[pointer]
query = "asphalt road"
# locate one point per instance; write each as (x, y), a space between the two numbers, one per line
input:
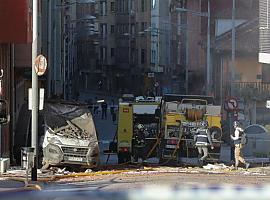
(130, 181)
(153, 187)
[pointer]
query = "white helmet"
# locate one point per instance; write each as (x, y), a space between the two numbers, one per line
(236, 123)
(140, 126)
(204, 123)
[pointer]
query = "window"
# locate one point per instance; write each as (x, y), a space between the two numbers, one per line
(112, 29)
(143, 26)
(120, 4)
(103, 53)
(112, 7)
(142, 56)
(132, 5)
(126, 28)
(143, 6)
(153, 3)
(112, 52)
(103, 8)
(132, 29)
(126, 7)
(103, 30)
(153, 56)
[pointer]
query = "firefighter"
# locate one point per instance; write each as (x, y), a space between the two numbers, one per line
(202, 140)
(139, 142)
(237, 145)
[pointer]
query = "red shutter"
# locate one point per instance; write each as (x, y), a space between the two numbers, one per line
(15, 21)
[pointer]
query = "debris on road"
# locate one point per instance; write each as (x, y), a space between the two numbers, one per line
(62, 175)
(216, 166)
(88, 171)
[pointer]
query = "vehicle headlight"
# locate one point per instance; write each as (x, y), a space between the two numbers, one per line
(54, 140)
(53, 153)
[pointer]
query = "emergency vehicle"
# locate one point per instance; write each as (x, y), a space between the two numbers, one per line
(165, 127)
(181, 117)
(138, 128)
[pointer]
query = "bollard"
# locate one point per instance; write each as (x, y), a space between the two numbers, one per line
(27, 159)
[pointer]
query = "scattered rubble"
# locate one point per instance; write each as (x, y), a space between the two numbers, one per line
(88, 171)
(57, 174)
(216, 166)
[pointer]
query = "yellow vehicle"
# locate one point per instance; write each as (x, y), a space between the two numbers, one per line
(181, 116)
(169, 125)
(138, 127)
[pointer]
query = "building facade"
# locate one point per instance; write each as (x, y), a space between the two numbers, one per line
(136, 43)
(14, 40)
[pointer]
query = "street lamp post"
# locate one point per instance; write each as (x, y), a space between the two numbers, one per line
(187, 63)
(34, 126)
(209, 70)
(233, 47)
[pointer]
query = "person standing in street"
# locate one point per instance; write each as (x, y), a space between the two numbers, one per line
(139, 143)
(95, 106)
(113, 115)
(236, 137)
(100, 85)
(104, 107)
(202, 140)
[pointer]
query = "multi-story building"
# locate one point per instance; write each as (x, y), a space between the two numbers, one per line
(85, 41)
(135, 46)
(118, 38)
(53, 42)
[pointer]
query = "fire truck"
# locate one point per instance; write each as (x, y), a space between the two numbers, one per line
(180, 118)
(131, 141)
(169, 124)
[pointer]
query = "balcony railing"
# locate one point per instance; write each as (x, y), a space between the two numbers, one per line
(256, 90)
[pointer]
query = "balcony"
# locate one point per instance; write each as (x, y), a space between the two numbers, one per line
(252, 90)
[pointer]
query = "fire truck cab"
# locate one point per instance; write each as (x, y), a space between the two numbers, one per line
(138, 127)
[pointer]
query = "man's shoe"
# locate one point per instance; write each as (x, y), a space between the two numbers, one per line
(247, 165)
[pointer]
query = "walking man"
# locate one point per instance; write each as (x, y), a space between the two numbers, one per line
(113, 115)
(95, 106)
(202, 140)
(104, 107)
(237, 145)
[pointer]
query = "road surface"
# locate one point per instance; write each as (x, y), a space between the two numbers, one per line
(135, 181)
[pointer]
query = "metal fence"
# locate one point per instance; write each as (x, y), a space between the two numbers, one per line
(260, 89)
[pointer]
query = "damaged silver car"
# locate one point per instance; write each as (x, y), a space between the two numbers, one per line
(70, 136)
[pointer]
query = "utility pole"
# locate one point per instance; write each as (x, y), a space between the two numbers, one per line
(49, 42)
(187, 57)
(232, 92)
(233, 48)
(129, 35)
(34, 90)
(209, 71)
